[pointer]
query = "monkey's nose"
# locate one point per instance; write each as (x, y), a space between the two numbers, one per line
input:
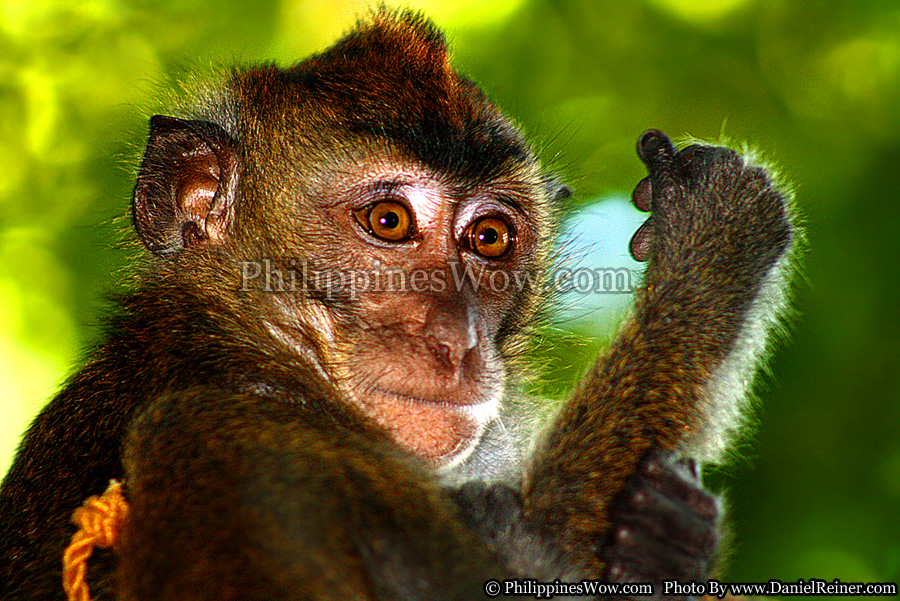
(452, 354)
(450, 334)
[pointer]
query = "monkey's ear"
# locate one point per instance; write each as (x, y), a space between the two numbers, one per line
(558, 191)
(185, 189)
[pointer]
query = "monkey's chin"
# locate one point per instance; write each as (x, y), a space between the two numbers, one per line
(440, 433)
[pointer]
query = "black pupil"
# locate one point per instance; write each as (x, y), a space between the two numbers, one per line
(389, 220)
(488, 236)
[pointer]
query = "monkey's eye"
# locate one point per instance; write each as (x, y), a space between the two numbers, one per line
(489, 237)
(387, 220)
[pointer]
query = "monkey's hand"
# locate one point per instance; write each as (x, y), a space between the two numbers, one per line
(711, 211)
(664, 526)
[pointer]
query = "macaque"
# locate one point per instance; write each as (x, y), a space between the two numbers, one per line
(307, 395)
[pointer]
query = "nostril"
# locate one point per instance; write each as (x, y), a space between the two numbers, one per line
(442, 352)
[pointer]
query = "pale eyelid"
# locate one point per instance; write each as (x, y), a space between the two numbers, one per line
(424, 197)
(478, 209)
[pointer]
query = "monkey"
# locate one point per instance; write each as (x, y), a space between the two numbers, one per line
(309, 395)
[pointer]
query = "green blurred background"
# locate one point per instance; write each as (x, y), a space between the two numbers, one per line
(814, 85)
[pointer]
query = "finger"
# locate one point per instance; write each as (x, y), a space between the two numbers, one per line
(648, 517)
(658, 153)
(655, 147)
(676, 482)
(642, 197)
(642, 242)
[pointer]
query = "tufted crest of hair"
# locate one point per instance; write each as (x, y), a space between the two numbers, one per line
(390, 78)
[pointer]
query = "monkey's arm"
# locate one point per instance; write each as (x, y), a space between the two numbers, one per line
(718, 241)
(233, 490)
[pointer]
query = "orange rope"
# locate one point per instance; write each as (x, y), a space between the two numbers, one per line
(99, 521)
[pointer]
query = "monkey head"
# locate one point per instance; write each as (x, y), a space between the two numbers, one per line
(376, 214)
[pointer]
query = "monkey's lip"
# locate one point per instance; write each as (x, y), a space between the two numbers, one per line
(455, 401)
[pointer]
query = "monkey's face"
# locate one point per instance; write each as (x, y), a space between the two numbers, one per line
(413, 281)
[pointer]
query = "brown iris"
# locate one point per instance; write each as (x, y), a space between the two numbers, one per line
(489, 237)
(387, 220)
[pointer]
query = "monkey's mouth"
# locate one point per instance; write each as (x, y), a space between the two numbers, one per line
(437, 431)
